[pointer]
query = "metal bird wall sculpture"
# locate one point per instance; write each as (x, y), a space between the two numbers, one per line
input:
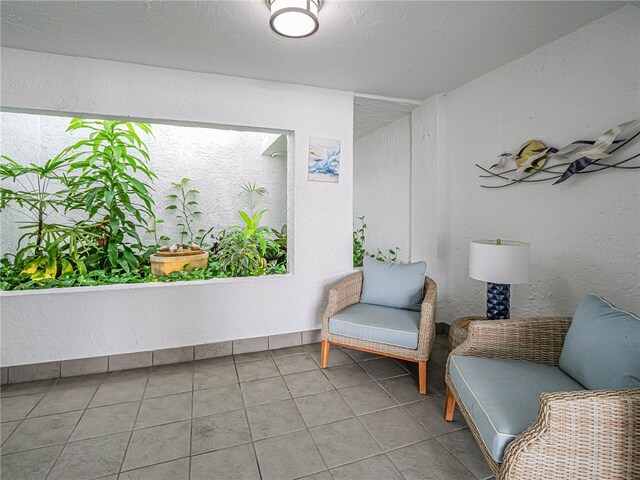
(581, 156)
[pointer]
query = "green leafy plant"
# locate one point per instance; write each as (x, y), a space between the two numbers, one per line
(358, 243)
(38, 191)
(240, 256)
(185, 205)
(63, 250)
(107, 176)
(251, 249)
(359, 251)
(12, 279)
(276, 253)
(152, 229)
(241, 249)
(390, 256)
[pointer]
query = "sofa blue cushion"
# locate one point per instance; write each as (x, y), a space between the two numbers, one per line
(503, 396)
(393, 326)
(602, 347)
(393, 284)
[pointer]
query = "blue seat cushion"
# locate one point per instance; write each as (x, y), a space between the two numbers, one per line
(503, 396)
(602, 347)
(393, 326)
(393, 284)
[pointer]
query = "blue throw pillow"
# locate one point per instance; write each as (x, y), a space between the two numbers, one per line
(393, 284)
(602, 347)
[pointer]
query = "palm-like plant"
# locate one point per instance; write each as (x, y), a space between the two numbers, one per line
(37, 191)
(46, 249)
(252, 196)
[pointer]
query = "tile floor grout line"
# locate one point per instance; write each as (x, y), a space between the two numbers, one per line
(387, 390)
(372, 436)
(455, 456)
(318, 449)
(255, 454)
(382, 453)
(253, 446)
(359, 460)
(385, 451)
(70, 434)
(251, 441)
(143, 467)
(23, 419)
(193, 395)
(26, 417)
(126, 450)
(424, 426)
(55, 462)
(33, 449)
(84, 411)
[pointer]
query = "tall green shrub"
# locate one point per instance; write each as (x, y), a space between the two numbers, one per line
(108, 178)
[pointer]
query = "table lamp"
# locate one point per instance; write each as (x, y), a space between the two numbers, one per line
(500, 263)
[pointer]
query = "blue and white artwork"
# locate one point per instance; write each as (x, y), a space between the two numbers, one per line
(324, 160)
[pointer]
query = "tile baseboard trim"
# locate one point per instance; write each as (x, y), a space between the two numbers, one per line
(166, 356)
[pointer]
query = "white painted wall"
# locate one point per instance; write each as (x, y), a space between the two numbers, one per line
(75, 323)
(428, 200)
(381, 176)
(584, 233)
(217, 161)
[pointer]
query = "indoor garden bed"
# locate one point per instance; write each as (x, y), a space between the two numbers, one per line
(89, 217)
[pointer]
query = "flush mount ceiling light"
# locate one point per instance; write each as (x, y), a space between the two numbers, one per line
(294, 18)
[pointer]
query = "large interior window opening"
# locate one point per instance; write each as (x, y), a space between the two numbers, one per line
(93, 202)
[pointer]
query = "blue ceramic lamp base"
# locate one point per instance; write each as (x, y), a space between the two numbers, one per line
(498, 301)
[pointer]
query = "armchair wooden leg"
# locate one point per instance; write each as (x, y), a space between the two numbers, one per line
(324, 355)
(422, 375)
(450, 406)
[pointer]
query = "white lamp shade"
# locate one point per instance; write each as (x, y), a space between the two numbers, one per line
(505, 262)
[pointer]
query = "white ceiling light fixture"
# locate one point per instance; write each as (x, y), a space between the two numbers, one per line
(294, 18)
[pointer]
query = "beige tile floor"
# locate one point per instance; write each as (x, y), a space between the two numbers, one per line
(270, 415)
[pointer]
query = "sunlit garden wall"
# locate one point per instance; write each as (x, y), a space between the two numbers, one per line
(217, 161)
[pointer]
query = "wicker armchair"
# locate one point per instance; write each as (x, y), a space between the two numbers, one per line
(592, 434)
(347, 293)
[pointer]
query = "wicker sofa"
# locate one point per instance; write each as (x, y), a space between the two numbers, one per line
(347, 293)
(580, 434)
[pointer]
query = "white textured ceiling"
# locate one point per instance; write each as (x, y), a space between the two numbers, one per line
(370, 114)
(392, 48)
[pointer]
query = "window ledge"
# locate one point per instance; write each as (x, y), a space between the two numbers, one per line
(128, 286)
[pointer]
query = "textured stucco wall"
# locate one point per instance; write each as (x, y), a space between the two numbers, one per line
(584, 233)
(382, 169)
(217, 161)
(76, 323)
(428, 202)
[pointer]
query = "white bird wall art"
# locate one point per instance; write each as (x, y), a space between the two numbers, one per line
(533, 158)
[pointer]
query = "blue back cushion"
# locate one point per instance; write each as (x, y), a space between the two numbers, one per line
(393, 284)
(602, 347)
